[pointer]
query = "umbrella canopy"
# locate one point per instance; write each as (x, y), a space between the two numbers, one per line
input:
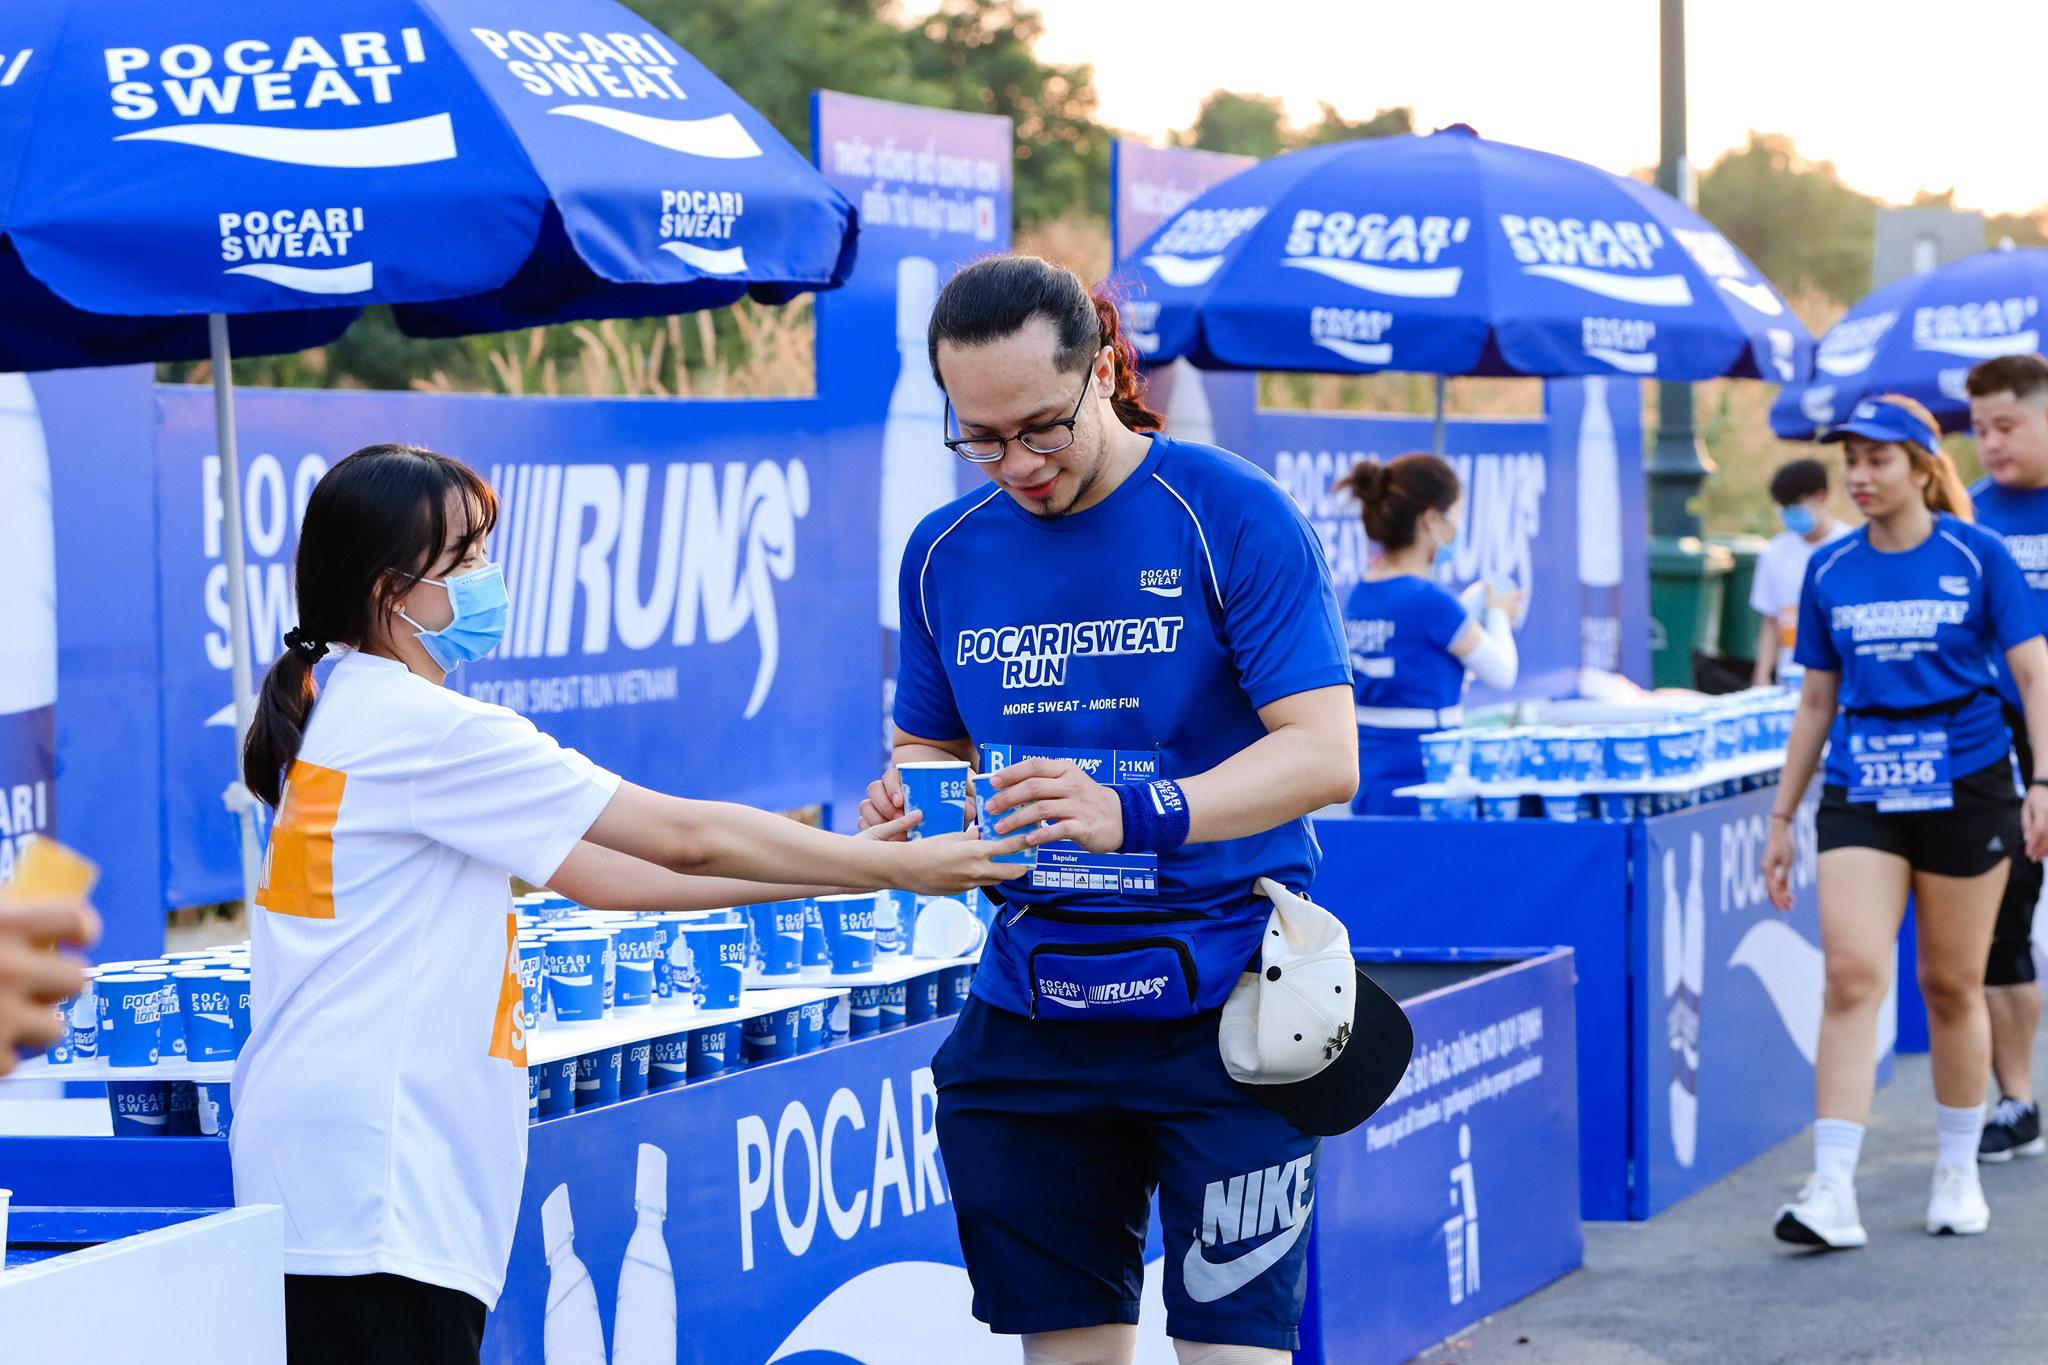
(186, 181)
(1919, 336)
(480, 164)
(1450, 254)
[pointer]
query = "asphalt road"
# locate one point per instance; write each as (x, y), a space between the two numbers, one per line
(1704, 1281)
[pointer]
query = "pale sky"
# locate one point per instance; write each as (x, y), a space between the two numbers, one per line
(1901, 95)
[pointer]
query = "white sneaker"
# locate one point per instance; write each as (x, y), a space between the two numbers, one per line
(1824, 1215)
(1957, 1207)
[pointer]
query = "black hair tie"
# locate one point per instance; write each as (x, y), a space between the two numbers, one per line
(305, 646)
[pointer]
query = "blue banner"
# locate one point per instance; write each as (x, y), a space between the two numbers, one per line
(933, 191)
(1728, 997)
(683, 591)
(1461, 1195)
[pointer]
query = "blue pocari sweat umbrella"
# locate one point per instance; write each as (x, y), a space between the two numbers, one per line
(1919, 336)
(1452, 255)
(174, 177)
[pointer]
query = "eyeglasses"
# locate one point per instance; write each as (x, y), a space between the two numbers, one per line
(1049, 439)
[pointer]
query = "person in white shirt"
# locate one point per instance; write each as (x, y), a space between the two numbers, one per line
(1800, 488)
(382, 1097)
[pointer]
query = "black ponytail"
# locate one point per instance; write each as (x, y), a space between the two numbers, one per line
(376, 522)
(1392, 497)
(997, 295)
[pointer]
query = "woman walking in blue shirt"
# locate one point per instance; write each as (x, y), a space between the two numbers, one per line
(1900, 625)
(1411, 642)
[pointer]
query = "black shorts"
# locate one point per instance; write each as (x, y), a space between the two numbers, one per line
(2012, 937)
(1980, 831)
(379, 1320)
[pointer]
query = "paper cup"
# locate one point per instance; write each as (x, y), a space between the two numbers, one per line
(939, 789)
(636, 1068)
(954, 985)
(668, 1061)
(577, 962)
(921, 1001)
(984, 790)
(895, 1007)
(849, 926)
(216, 1109)
(863, 1011)
(778, 928)
(811, 1025)
(239, 984)
(706, 963)
(713, 1049)
(816, 957)
(533, 1094)
(636, 946)
(557, 1087)
(131, 1008)
(206, 1014)
(597, 1077)
(183, 1111)
(140, 1108)
(533, 980)
(771, 1037)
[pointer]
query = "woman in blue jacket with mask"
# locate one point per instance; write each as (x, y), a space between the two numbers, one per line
(1412, 642)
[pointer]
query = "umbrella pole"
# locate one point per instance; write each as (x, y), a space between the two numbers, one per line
(240, 800)
(1439, 434)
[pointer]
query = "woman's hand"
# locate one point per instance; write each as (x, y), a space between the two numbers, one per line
(1509, 602)
(884, 801)
(2034, 822)
(947, 864)
(34, 978)
(890, 831)
(1778, 856)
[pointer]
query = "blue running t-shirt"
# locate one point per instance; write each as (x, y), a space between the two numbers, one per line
(1917, 628)
(1400, 632)
(2020, 517)
(1154, 624)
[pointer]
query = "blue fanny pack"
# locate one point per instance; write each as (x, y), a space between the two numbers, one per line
(1115, 964)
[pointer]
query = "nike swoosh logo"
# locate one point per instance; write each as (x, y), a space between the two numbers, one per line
(1162, 592)
(1206, 1281)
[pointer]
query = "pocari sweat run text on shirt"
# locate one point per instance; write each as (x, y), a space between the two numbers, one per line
(382, 1097)
(1919, 628)
(1156, 623)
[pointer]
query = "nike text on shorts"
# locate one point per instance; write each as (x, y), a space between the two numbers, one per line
(1055, 1134)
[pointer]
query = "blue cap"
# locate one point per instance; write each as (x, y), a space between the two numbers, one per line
(1880, 419)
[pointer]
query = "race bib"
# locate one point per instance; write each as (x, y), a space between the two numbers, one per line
(1066, 866)
(1899, 765)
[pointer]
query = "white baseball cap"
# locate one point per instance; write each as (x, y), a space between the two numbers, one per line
(1289, 1028)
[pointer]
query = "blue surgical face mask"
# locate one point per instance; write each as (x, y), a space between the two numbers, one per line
(1446, 555)
(481, 612)
(1799, 519)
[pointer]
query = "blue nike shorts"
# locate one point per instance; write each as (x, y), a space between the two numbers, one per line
(1055, 1136)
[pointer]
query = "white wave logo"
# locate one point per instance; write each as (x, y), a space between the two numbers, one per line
(1817, 404)
(1851, 344)
(1362, 353)
(721, 138)
(413, 142)
(1793, 975)
(1437, 282)
(1650, 291)
(340, 279)
(731, 260)
(1716, 256)
(1629, 362)
(1758, 295)
(1979, 329)
(1183, 272)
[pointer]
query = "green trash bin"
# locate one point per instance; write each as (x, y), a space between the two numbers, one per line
(1686, 577)
(1738, 623)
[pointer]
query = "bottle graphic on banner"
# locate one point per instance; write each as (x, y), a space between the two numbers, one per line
(28, 624)
(571, 1332)
(1599, 475)
(1188, 417)
(917, 469)
(1685, 925)
(644, 1319)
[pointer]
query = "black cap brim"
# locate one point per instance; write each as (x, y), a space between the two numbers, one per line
(1351, 1088)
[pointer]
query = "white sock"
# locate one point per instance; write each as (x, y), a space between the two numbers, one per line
(1958, 1132)
(1837, 1143)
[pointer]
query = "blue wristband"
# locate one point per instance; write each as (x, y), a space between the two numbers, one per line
(1155, 816)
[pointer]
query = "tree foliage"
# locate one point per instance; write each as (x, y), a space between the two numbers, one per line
(1794, 218)
(1256, 125)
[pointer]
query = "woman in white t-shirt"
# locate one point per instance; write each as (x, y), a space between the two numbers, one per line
(382, 1098)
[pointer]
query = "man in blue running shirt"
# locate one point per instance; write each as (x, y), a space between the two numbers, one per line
(1138, 637)
(2009, 415)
